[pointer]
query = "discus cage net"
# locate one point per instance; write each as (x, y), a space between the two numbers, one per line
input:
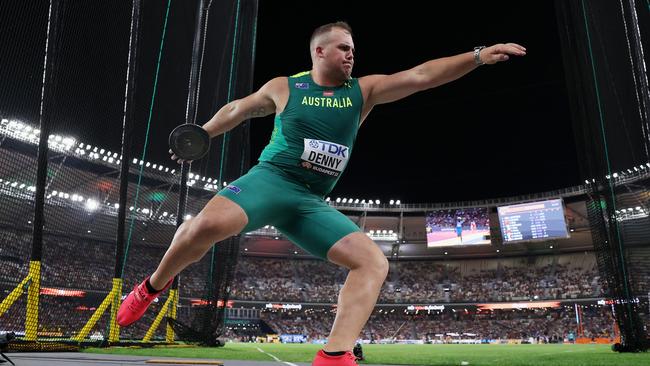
(605, 46)
(90, 198)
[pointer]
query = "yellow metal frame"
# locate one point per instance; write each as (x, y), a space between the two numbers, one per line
(169, 306)
(33, 282)
(13, 296)
(169, 335)
(112, 299)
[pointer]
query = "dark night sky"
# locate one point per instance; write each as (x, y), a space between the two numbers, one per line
(499, 131)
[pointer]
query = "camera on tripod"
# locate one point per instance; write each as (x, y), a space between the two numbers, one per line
(5, 339)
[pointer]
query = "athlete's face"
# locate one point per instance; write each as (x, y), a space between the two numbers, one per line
(338, 53)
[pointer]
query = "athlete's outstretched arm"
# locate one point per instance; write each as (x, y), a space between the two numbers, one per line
(259, 104)
(379, 89)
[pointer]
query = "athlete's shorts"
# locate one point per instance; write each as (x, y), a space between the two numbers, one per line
(270, 196)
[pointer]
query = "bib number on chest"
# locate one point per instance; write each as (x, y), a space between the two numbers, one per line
(325, 157)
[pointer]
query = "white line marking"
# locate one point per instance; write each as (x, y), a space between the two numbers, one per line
(277, 359)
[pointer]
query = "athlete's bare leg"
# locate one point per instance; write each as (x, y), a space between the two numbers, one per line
(220, 219)
(368, 269)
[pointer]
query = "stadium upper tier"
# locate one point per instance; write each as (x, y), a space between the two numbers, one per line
(83, 188)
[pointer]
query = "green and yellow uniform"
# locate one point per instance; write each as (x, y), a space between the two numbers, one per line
(310, 146)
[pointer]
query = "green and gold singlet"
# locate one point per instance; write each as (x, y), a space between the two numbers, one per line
(313, 136)
(309, 149)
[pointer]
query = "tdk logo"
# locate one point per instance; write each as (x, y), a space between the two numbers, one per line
(324, 157)
(329, 147)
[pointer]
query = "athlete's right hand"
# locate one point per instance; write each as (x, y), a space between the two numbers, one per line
(176, 159)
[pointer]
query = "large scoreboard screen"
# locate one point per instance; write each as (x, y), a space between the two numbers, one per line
(533, 221)
(466, 226)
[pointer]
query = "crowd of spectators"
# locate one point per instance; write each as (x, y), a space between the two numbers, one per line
(419, 281)
(65, 317)
(89, 265)
(542, 325)
(77, 263)
(450, 218)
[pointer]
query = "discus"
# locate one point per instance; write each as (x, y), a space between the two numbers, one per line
(189, 141)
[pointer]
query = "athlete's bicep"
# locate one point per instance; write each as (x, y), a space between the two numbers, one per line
(264, 101)
(255, 105)
(380, 89)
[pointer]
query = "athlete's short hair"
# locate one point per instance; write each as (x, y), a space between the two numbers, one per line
(326, 28)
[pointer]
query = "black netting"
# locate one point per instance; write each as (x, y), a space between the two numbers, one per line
(603, 44)
(21, 71)
(115, 85)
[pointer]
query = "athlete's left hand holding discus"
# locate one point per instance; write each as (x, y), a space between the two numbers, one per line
(177, 159)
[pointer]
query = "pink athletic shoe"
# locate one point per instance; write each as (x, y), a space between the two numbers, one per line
(136, 303)
(323, 359)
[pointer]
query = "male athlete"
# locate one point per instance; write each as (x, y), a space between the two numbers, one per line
(317, 116)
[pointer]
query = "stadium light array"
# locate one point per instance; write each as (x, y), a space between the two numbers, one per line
(357, 201)
(382, 235)
(23, 132)
(88, 204)
(631, 213)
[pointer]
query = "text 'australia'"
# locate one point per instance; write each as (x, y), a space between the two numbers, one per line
(327, 102)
